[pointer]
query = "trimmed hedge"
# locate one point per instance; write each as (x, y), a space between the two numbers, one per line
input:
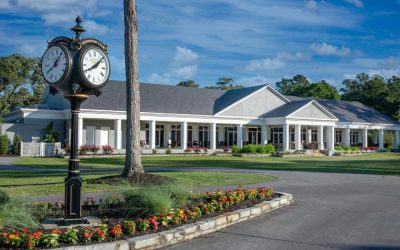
(254, 149)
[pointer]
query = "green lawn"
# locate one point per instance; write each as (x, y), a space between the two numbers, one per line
(51, 182)
(39, 183)
(377, 163)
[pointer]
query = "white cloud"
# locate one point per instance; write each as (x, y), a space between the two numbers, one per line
(184, 56)
(185, 72)
(266, 64)
(326, 49)
(5, 5)
(183, 67)
(95, 28)
(357, 3)
(31, 50)
(255, 80)
(156, 78)
(389, 62)
(385, 73)
(287, 56)
(311, 4)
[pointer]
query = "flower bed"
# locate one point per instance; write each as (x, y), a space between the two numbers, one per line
(205, 205)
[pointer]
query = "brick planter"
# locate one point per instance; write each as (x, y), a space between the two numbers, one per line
(190, 231)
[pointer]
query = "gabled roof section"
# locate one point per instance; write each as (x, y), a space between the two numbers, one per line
(351, 111)
(295, 108)
(234, 97)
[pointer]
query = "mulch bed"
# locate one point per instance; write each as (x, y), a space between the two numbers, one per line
(137, 179)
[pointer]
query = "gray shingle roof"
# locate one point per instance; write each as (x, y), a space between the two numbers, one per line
(159, 98)
(349, 111)
(286, 109)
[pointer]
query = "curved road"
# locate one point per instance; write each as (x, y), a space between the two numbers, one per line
(331, 211)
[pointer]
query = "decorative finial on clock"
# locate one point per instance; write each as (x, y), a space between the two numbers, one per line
(78, 29)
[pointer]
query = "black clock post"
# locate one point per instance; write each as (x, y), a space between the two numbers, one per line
(75, 68)
(73, 182)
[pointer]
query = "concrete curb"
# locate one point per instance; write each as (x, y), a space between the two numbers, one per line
(190, 231)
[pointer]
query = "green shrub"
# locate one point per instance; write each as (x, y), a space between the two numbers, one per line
(249, 149)
(3, 144)
(168, 151)
(260, 149)
(16, 213)
(269, 149)
(355, 148)
(16, 147)
(235, 149)
(147, 201)
(339, 148)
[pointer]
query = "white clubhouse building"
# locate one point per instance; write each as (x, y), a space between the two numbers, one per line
(182, 117)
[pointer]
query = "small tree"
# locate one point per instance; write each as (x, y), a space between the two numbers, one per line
(188, 83)
(16, 147)
(3, 144)
(49, 135)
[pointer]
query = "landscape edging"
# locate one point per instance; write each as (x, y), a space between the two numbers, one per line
(190, 231)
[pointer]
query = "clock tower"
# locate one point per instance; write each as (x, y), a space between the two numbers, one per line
(76, 68)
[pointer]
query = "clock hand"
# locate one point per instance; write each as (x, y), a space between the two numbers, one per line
(55, 63)
(94, 65)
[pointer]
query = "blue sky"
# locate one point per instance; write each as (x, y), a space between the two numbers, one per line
(253, 41)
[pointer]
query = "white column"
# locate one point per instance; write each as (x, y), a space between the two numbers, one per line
(346, 137)
(117, 134)
(365, 138)
(330, 132)
(309, 136)
(297, 137)
(152, 134)
(320, 137)
(213, 136)
(396, 139)
(381, 139)
(264, 138)
(183, 135)
(80, 131)
(239, 134)
(285, 137)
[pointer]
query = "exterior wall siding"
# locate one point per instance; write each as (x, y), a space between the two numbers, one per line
(256, 105)
(32, 132)
(311, 111)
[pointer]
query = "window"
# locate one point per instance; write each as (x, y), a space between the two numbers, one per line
(175, 135)
(230, 136)
(254, 136)
(314, 135)
(190, 135)
(277, 135)
(304, 135)
(338, 136)
(203, 136)
(354, 137)
(292, 135)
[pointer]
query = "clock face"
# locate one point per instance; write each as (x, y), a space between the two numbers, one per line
(55, 64)
(95, 66)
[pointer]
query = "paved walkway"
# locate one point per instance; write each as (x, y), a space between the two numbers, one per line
(331, 211)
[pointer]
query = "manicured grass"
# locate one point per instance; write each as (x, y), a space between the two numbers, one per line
(376, 163)
(38, 183)
(31, 182)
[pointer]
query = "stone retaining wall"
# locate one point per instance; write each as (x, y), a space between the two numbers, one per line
(190, 231)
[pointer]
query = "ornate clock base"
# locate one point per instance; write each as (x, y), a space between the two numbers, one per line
(70, 222)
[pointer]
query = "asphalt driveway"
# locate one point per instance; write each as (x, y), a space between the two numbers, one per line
(331, 211)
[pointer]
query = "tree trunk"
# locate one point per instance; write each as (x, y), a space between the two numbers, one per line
(133, 163)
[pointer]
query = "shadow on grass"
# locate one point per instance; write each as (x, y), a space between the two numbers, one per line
(380, 167)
